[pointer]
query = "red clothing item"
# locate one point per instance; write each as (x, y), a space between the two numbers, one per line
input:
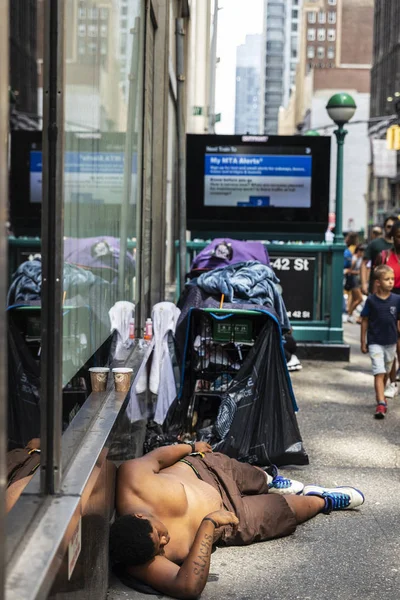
(391, 259)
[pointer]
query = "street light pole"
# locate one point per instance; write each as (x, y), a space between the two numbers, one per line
(341, 107)
(340, 134)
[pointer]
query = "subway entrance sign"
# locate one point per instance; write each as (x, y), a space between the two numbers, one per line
(297, 276)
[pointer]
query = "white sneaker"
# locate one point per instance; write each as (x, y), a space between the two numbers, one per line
(391, 390)
(294, 364)
(281, 485)
(338, 498)
(351, 320)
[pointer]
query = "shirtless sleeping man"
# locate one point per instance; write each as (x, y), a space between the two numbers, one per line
(176, 502)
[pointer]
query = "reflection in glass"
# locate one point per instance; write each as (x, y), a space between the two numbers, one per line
(101, 176)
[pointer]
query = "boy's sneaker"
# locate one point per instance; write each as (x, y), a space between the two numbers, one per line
(281, 485)
(391, 390)
(338, 498)
(351, 320)
(381, 410)
(294, 364)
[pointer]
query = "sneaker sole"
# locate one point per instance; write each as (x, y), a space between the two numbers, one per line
(380, 416)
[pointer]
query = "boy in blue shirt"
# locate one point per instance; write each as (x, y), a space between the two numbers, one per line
(380, 317)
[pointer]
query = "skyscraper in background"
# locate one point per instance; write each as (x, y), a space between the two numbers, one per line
(281, 33)
(248, 75)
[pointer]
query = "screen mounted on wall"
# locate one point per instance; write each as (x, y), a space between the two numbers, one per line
(258, 183)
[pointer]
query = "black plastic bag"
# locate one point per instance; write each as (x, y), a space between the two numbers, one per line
(264, 428)
(23, 391)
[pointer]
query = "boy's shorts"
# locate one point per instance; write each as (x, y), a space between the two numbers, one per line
(382, 358)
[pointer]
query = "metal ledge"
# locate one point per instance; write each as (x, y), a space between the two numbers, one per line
(40, 528)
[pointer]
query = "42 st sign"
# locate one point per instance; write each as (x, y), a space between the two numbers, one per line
(296, 276)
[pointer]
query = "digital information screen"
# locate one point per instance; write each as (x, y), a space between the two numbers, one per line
(96, 176)
(245, 180)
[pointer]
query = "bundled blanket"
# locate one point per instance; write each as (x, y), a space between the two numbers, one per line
(247, 281)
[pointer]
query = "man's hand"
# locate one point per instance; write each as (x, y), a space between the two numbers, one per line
(202, 447)
(364, 348)
(224, 517)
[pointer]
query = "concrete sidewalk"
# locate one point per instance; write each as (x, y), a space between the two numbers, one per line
(346, 555)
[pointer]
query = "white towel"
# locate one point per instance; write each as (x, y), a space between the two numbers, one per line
(120, 316)
(160, 380)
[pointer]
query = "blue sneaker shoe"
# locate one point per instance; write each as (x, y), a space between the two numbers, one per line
(277, 484)
(338, 498)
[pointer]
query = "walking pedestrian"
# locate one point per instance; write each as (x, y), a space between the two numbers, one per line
(372, 251)
(379, 332)
(353, 277)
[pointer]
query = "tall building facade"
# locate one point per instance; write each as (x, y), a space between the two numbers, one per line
(384, 178)
(248, 74)
(336, 55)
(281, 32)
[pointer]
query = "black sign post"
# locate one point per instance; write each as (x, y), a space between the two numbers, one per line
(296, 274)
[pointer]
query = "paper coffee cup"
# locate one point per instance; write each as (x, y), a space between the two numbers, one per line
(98, 378)
(122, 378)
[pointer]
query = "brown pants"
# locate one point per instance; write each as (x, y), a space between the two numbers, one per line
(244, 491)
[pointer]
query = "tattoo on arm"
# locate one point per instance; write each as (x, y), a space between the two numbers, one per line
(203, 557)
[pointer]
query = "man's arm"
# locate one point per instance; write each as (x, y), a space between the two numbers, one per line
(164, 457)
(189, 580)
(364, 276)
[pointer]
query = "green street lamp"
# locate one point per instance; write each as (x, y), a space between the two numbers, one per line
(312, 132)
(341, 108)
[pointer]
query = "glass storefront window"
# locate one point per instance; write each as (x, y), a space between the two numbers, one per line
(102, 178)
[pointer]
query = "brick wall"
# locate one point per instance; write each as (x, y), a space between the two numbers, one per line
(350, 79)
(357, 31)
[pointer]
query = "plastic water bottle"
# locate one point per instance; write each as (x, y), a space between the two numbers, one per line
(148, 330)
(132, 329)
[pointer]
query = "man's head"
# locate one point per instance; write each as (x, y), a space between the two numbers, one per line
(351, 239)
(136, 539)
(384, 277)
(376, 232)
(387, 226)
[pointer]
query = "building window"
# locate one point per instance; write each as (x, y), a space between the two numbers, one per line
(104, 13)
(321, 35)
(331, 52)
(293, 53)
(124, 10)
(82, 30)
(310, 52)
(92, 30)
(331, 35)
(294, 26)
(82, 13)
(295, 14)
(332, 17)
(103, 30)
(92, 47)
(311, 35)
(93, 13)
(103, 47)
(312, 17)
(332, 2)
(81, 47)
(321, 52)
(322, 17)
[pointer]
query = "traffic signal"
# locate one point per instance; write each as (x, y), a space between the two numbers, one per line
(393, 137)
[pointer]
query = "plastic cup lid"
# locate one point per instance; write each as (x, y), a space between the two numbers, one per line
(122, 370)
(99, 369)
